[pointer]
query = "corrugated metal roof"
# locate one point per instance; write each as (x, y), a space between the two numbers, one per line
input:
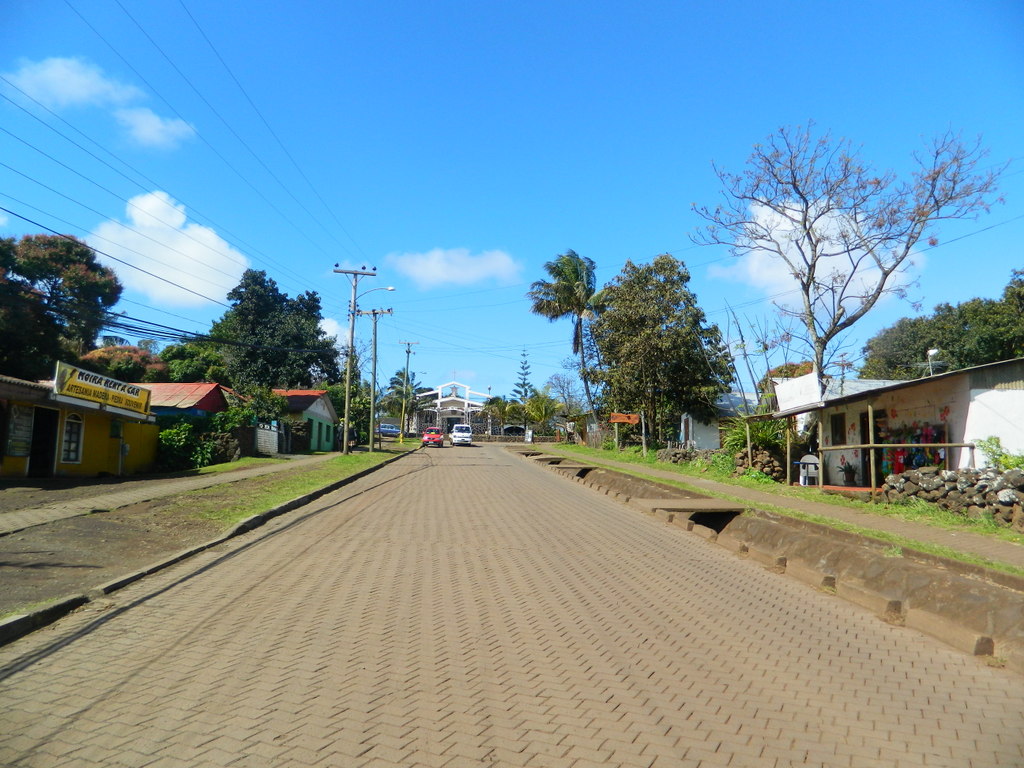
(43, 385)
(998, 375)
(182, 395)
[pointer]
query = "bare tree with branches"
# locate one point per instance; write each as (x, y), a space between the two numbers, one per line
(842, 230)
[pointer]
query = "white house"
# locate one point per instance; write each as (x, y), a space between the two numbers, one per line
(925, 422)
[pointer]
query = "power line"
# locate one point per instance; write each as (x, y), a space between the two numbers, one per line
(109, 256)
(131, 229)
(273, 133)
(226, 124)
(194, 212)
(201, 137)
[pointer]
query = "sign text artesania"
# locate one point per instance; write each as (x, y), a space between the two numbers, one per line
(86, 385)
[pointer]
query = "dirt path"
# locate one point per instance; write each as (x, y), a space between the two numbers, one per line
(77, 554)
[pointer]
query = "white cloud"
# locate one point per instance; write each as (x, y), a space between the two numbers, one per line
(4, 218)
(332, 327)
(150, 130)
(59, 83)
(455, 266)
(159, 239)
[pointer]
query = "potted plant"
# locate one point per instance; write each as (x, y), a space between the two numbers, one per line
(849, 473)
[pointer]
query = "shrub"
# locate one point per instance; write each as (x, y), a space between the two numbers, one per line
(767, 433)
(1001, 458)
(180, 445)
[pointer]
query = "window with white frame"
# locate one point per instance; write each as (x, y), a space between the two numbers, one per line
(72, 450)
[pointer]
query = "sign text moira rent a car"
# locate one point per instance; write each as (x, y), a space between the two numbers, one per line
(86, 385)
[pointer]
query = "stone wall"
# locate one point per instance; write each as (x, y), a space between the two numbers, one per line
(764, 461)
(973, 493)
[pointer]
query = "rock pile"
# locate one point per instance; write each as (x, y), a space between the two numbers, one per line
(764, 462)
(683, 455)
(973, 493)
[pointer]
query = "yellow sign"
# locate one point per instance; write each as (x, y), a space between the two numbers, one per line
(86, 385)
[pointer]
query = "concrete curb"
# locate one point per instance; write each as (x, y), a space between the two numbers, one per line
(20, 625)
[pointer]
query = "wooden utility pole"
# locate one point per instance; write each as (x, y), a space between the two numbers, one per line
(374, 313)
(408, 351)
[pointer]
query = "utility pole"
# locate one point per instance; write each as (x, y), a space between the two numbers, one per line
(408, 351)
(374, 313)
(353, 276)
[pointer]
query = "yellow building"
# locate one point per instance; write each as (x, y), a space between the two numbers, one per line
(81, 424)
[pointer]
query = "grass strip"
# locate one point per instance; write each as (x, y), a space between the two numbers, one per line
(231, 503)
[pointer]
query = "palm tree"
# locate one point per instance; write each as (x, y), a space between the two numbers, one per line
(497, 408)
(403, 393)
(571, 292)
(542, 408)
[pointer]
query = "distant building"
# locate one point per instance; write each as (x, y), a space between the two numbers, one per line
(312, 420)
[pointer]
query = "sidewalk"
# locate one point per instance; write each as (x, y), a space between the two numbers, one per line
(14, 517)
(964, 541)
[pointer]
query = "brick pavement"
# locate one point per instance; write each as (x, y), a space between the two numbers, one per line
(466, 608)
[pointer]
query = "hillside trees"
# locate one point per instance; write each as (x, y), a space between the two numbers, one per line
(271, 340)
(974, 332)
(125, 362)
(195, 361)
(54, 296)
(659, 355)
(842, 230)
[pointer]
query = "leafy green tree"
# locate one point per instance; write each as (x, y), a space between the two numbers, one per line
(843, 230)
(501, 410)
(523, 389)
(54, 298)
(660, 356)
(196, 361)
(571, 292)
(126, 363)
(270, 340)
(401, 392)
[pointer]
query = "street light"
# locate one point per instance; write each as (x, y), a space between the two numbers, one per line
(931, 353)
(353, 276)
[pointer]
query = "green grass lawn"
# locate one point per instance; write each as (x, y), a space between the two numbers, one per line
(231, 503)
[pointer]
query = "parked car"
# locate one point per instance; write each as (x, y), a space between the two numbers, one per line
(462, 434)
(388, 430)
(433, 436)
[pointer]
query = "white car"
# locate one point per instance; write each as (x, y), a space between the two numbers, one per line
(461, 434)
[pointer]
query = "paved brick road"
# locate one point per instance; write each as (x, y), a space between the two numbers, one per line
(464, 608)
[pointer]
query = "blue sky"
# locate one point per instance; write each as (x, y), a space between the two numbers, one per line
(458, 146)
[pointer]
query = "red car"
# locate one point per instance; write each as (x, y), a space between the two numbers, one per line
(433, 436)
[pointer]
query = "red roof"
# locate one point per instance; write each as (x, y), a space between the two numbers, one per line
(200, 395)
